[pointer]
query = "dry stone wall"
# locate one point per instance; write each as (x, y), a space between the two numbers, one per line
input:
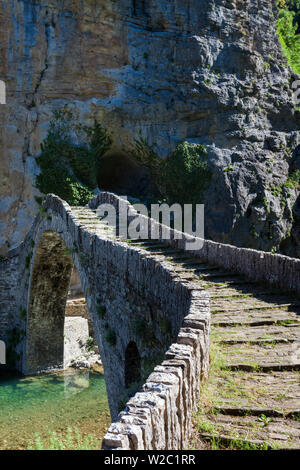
(159, 416)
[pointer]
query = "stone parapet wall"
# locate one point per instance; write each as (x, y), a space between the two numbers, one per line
(274, 269)
(159, 416)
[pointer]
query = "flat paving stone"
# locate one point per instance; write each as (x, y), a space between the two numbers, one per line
(275, 393)
(263, 356)
(234, 304)
(257, 392)
(256, 334)
(255, 317)
(275, 433)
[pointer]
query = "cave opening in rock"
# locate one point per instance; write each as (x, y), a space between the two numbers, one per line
(121, 174)
(139, 7)
(132, 365)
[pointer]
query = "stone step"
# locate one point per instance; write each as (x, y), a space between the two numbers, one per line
(257, 334)
(255, 318)
(236, 281)
(262, 357)
(192, 273)
(89, 221)
(184, 262)
(227, 279)
(147, 243)
(249, 294)
(233, 306)
(218, 275)
(258, 432)
(257, 393)
(80, 208)
(203, 274)
(162, 251)
(86, 216)
(146, 247)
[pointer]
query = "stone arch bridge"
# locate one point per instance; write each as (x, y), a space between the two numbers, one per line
(135, 307)
(146, 312)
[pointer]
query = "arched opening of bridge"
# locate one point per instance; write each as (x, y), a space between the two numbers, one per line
(120, 174)
(58, 327)
(49, 289)
(132, 365)
(79, 327)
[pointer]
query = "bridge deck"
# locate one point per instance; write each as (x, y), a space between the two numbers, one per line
(252, 399)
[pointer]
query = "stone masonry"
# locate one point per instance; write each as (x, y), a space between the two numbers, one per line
(129, 298)
(134, 296)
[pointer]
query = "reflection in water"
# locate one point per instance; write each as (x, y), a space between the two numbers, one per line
(75, 383)
(51, 402)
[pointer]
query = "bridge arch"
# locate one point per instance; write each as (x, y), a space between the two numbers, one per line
(50, 279)
(129, 298)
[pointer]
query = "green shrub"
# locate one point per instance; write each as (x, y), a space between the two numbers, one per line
(70, 157)
(288, 31)
(144, 154)
(182, 177)
(293, 180)
(90, 344)
(186, 174)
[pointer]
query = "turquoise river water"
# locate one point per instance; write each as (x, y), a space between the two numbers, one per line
(52, 402)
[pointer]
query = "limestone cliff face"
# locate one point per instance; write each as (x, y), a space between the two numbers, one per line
(207, 71)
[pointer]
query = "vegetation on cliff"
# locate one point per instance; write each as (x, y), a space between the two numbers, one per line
(180, 178)
(70, 158)
(288, 28)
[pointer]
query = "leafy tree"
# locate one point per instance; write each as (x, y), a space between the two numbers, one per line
(287, 28)
(71, 157)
